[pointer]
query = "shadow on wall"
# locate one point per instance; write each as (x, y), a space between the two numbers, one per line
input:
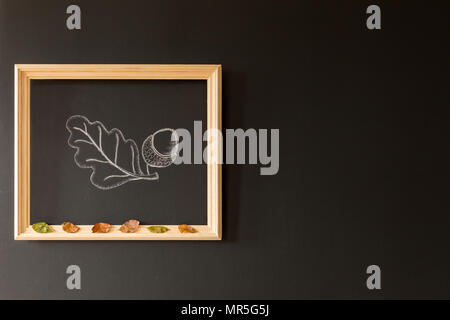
(233, 96)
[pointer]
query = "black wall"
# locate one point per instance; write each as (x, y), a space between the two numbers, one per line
(364, 161)
(61, 191)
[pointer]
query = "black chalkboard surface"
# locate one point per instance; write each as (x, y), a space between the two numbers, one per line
(62, 191)
(364, 157)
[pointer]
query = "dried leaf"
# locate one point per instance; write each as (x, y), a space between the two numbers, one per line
(70, 227)
(41, 227)
(158, 229)
(184, 228)
(101, 227)
(130, 226)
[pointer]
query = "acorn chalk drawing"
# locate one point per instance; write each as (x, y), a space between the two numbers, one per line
(115, 160)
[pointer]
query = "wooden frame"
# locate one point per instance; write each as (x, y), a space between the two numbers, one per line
(25, 72)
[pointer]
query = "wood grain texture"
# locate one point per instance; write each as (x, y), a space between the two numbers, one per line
(85, 233)
(25, 72)
(214, 89)
(119, 71)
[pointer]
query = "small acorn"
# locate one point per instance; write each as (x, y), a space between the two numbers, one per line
(153, 157)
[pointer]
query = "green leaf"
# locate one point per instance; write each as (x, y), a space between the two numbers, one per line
(158, 229)
(41, 227)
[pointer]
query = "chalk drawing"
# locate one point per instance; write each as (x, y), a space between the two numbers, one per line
(153, 157)
(113, 159)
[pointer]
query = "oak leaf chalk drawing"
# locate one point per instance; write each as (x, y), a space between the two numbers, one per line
(115, 160)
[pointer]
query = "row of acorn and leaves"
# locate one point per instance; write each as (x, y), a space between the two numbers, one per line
(129, 226)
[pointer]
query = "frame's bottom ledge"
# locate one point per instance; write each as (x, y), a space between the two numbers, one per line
(204, 232)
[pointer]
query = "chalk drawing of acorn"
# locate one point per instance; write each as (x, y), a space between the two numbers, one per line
(153, 157)
(113, 159)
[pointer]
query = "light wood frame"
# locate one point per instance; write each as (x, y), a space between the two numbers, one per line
(25, 72)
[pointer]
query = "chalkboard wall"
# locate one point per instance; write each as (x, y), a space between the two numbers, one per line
(61, 191)
(363, 118)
